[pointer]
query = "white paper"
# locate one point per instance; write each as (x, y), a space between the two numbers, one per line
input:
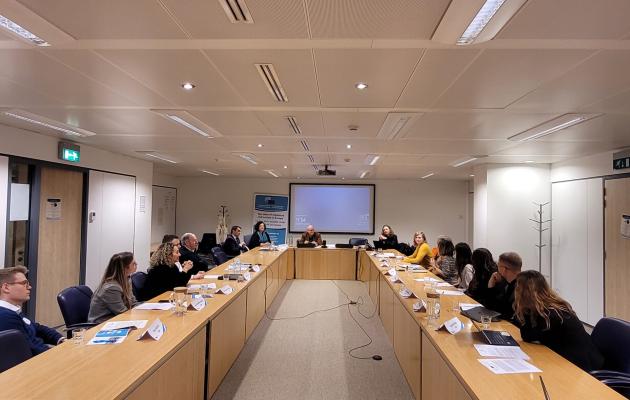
(19, 202)
(155, 331)
(202, 286)
(444, 284)
(450, 292)
(508, 366)
(154, 306)
(426, 279)
(53, 209)
(211, 276)
(453, 325)
(468, 306)
(140, 323)
(388, 255)
(488, 350)
(625, 226)
(225, 289)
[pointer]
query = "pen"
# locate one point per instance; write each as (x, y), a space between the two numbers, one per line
(544, 388)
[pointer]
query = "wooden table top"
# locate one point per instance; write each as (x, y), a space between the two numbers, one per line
(563, 379)
(70, 371)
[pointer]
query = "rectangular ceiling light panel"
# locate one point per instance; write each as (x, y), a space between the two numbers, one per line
(25, 34)
(48, 123)
(549, 127)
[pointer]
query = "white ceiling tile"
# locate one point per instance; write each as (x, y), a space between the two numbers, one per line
(499, 77)
(368, 124)
(111, 19)
(164, 71)
(375, 18)
(233, 123)
(385, 71)
(310, 123)
(273, 19)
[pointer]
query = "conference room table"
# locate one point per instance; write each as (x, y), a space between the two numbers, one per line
(198, 349)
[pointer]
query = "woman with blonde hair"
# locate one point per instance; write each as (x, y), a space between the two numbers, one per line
(422, 253)
(114, 296)
(166, 272)
(546, 318)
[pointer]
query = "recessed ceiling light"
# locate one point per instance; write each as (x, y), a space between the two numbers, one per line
(249, 158)
(188, 125)
(188, 86)
(466, 160)
(11, 26)
(427, 175)
(48, 123)
(270, 172)
(260, 145)
(342, 178)
(285, 167)
(161, 158)
(472, 175)
(364, 174)
(209, 172)
(485, 14)
(372, 159)
(361, 85)
(348, 146)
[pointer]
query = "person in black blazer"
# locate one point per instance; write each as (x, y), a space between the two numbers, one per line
(546, 318)
(15, 290)
(483, 268)
(233, 245)
(164, 273)
(260, 237)
(502, 284)
(188, 252)
(388, 238)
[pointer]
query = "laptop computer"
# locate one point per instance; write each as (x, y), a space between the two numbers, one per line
(496, 338)
(476, 313)
(302, 245)
(343, 245)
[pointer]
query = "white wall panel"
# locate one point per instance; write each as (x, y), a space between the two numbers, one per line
(4, 185)
(163, 213)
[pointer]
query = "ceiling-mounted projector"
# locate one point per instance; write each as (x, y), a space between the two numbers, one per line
(326, 171)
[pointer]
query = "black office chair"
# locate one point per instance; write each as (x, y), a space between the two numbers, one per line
(208, 241)
(612, 337)
(15, 349)
(138, 279)
(246, 239)
(358, 241)
(219, 255)
(74, 303)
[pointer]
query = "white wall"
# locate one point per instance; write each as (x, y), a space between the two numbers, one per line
(480, 207)
(577, 246)
(4, 186)
(438, 207)
(163, 213)
(585, 167)
(27, 144)
(511, 191)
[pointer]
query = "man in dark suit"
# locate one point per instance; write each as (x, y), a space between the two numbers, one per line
(310, 236)
(188, 251)
(233, 245)
(502, 284)
(15, 290)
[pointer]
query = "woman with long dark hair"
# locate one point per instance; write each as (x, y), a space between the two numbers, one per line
(114, 295)
(463, 263)
(483, 268)
(444, 266)
(388, 238)
(260, 237)
(546, 318)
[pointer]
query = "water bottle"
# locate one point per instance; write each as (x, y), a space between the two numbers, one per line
(433, 306)
(237, 265)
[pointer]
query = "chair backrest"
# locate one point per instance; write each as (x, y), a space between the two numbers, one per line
(208, 241)
(138, 279)
(358, 241)
(15, 349)
(74, 303)
(219, 256)
(612, 338)
(247, 238)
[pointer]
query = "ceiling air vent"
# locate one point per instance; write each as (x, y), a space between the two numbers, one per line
(271, 80)
(294, 125)
(237, 11)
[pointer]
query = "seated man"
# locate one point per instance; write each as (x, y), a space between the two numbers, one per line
(188, 251)
(502, 283)
(233, 245)
(310, 236)
(15, 290)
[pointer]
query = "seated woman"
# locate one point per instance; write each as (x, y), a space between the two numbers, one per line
(548, 319)
(164, 273)
(388, 238)
(114, 296)
(444, 266)
(422, 253)
(171, 238)
(260, 237)
(463, 262)
(483, 268)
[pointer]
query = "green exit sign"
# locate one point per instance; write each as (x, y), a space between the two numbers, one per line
(621, 163)
(69, 152)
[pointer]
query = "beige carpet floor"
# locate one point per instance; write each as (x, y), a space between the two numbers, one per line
(307, 358)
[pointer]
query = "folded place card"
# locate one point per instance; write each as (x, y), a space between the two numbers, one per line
(391, 272)
(395, 279)
(225, 289)
(452, 326)
(256, 268)
(407, 294)
(197, 303)
(420, 306)
(155, 331)
(247, 276)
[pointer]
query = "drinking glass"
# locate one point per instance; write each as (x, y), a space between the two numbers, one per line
(78, 335)
(485, 321)
(179, 299)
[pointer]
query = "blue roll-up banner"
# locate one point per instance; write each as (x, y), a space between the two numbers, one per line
(273, 210)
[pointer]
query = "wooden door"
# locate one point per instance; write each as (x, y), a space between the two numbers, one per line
(59, 240)
(617, 249)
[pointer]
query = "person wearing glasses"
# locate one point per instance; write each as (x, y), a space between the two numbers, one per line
(15, 290)
(188, 250)
(502, 284)
(114, 295)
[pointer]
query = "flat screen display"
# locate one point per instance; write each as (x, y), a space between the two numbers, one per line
(342, 209)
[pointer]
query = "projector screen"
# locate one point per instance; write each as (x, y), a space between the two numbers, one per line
(343, 209)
